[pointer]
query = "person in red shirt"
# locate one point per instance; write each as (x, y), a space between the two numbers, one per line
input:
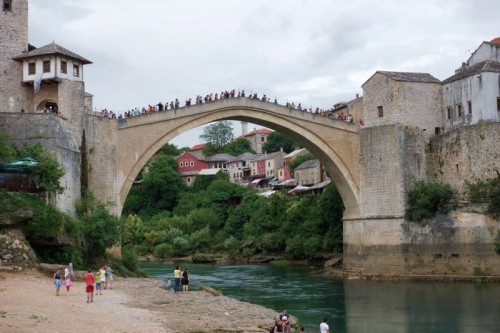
(89, 281)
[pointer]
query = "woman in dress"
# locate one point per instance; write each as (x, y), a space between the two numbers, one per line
(185, 280)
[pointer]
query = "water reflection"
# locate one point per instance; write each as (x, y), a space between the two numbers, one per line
(352, 306)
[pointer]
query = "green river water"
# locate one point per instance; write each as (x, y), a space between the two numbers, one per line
(351, 306)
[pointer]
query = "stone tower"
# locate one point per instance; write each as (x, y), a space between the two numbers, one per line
(13, 41)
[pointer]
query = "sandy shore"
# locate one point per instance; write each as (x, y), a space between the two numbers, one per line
(28, 304)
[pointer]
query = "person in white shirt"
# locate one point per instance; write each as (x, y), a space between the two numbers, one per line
(323, 327)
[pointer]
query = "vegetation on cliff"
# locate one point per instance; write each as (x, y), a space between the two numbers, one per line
(426, 199)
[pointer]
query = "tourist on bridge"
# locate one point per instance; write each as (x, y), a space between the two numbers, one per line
(160, 106)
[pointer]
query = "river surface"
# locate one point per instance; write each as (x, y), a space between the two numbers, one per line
(351, 306)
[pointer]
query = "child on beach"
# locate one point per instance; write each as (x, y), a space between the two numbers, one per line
(68, 284)
(169, 284)
(98, 286)
(57, 281)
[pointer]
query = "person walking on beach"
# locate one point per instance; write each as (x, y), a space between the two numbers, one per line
(185, 280)
(177, 279)
(98, 286)
(102, 271)
(109, 277)
(57, 281)
(68, 284)
(89, 281)
(323, 327)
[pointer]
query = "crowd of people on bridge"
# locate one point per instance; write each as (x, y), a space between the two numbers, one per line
(174, 105)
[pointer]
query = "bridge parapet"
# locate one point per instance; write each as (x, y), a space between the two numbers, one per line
(237, 103)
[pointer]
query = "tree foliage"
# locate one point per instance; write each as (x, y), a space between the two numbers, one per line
(6, 152)
(277, 140)
(238, 147)
(218, 134)
(100, 228)
(298, 160)
(426, 199)
(48, 171)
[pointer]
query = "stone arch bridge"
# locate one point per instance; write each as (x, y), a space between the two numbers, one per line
(372, 167)
(335, 143)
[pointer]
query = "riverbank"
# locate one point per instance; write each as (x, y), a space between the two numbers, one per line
(29, 304)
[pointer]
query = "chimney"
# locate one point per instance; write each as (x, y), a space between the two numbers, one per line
(244, 128)
(357, 95)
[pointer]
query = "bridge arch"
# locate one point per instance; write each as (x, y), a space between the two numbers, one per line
(334, 143)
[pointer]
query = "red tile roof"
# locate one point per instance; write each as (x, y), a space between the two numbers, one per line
(200, 146)
(495, 40)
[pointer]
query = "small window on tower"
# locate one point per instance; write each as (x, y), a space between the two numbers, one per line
(380, 111)
(448, 112)
(64, 67)
(46, 66)
(31, 68)
(459, 110)
(469, 107)
(7, 5)
(76, 70)
(498, 104)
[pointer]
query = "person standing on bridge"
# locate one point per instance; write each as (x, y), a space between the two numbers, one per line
(160, 106)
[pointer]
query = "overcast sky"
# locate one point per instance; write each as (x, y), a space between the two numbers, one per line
(312, 52)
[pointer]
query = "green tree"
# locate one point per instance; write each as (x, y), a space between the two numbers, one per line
(426, 199)
(6, 152)
(210, 150)
(133, 230)
(160, 186)
(238, 147)
(170, 150)
(101, 229)
(47, 171)
(276, 141)
(218, 134)
(299, 160)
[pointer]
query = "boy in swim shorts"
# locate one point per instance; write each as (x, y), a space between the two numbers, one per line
(89, 281)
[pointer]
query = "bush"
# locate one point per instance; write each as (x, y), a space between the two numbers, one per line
(60, 255)
(163, 251)
(169, 236)
(426, 199)
(181, 246)
(231, 246)
(130, 259)
(295, 247)
(272, 242)
(201, 239)
(142, 249)
(497, 243)
(494, 206)
(47, 222)
(248, 252)
(312, 246)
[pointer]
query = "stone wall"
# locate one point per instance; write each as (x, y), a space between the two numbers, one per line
(71, 96)
(466, 154)
(47, 91)
(14, 41)
(457, 244)
(48, 129)
(101, 156)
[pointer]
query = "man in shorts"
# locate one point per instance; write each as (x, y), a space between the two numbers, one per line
(89, 281)
(109, 278)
